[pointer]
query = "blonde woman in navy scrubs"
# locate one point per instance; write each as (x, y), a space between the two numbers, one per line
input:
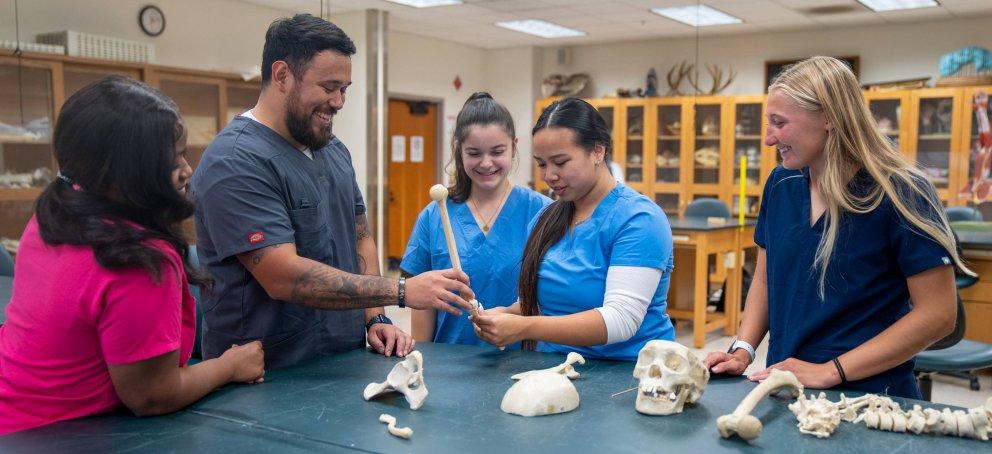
(848, 233)
(595, 272)
(489, 218)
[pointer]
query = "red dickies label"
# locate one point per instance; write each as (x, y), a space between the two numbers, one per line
(256, 237)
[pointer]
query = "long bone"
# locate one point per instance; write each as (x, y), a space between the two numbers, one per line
(439, 194)
(748, 427)
(390, 420)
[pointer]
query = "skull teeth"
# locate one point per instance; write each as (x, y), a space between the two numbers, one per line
(658, 392)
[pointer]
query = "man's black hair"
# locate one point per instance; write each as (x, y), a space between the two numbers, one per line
(296, 40)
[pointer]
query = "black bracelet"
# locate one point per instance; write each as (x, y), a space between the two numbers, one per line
(840, 370)
(401, 300)
(379, 318)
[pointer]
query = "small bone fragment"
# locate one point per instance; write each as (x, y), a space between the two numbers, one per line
(402, 432)
(564, 368)
(741, 422)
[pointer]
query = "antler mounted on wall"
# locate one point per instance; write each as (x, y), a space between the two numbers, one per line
(716, 76)
(674, 80)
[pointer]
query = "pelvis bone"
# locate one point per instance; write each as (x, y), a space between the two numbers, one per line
(407, 378)
(670, 375)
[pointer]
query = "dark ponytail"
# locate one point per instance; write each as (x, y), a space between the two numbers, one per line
(588, 131)
(115, 143)
(480, 109)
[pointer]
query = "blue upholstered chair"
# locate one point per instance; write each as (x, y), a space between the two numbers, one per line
(960, 359)
(958, 214)
(707, 208)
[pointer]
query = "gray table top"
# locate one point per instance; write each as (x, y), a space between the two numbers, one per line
(321, 402)
(973, 235)
(702, 224)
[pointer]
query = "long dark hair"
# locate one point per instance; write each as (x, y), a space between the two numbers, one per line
(115, 142)
(480, 109)
(588, 131)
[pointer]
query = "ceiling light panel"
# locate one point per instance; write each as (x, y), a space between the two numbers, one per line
(697, 16)
(895, 5)
(540, 28)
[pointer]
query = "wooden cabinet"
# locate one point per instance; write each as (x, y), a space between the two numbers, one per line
(630, 147)
(30, 96)
(934, 133)
(751, 158)
(890, 110)
(670, 158)
(34, 87)
(978, 298)
(679, 149)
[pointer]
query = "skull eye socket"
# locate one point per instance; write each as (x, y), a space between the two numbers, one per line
(675, 362)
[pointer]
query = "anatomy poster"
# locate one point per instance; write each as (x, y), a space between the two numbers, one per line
(977, 187)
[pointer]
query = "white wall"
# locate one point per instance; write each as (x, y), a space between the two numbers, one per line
(512, 77)
(215, 34)
(426, 67)
(349, 123)
(888, 52)
(225, 35)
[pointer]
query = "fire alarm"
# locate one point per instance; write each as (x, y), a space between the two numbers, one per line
(457, 83)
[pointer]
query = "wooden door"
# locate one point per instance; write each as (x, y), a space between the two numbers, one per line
(411, 169)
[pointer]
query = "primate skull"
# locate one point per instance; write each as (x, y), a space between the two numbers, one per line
(670, 375)
(407, 378)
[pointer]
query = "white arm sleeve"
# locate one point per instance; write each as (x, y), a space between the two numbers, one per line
(629, 290)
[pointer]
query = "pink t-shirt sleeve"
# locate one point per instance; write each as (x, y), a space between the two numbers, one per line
(142, 318)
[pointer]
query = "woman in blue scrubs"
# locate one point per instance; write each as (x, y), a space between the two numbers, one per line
(489, 218)
(849, 233)
(595, 273)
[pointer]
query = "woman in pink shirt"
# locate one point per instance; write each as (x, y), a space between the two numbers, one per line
(101, 313)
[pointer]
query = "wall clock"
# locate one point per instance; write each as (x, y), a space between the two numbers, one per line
(152, 20)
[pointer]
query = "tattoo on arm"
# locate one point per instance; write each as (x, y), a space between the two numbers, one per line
(257, 254)
(324, 287)
(362, 226)
(362, 265)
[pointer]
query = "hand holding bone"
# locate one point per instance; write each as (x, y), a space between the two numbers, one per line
(499, 329)
(435, 290)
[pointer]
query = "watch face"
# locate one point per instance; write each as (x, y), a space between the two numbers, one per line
(152, 20)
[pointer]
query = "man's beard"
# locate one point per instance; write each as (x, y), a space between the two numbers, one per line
(298, 124)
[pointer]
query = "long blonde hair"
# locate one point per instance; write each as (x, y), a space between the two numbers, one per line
(827, 86)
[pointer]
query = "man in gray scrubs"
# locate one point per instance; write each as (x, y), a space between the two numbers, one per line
(281, 224)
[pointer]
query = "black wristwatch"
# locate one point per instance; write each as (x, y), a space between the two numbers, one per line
(379, 318)
(401, 293)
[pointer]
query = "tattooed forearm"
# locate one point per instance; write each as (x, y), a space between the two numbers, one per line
(257, 254)
(323, 287)
(362, 226)
(362, 265)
